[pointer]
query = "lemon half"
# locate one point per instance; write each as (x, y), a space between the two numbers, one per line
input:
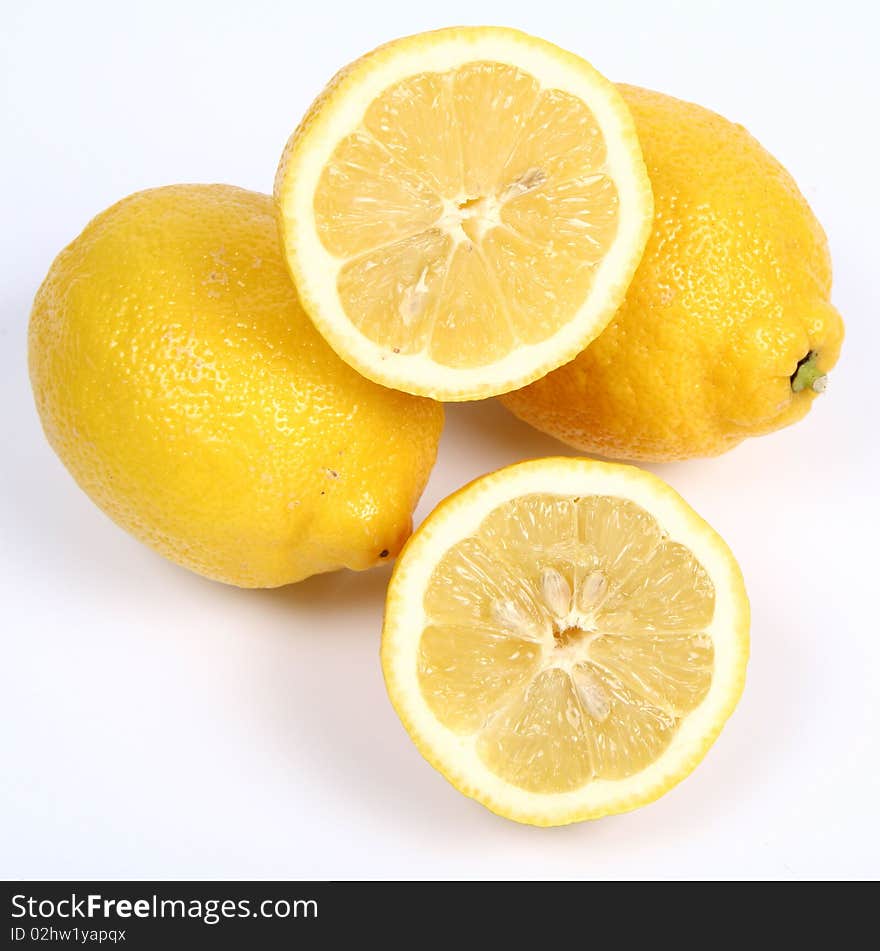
(463, 210)
(564, 639)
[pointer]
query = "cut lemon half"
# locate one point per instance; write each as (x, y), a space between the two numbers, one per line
(463, 211)
(564, 639)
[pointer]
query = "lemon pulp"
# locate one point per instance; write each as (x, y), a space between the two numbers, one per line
(470, 210)
(567, 637)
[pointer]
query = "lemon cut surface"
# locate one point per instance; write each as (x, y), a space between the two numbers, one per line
(463, 210)
(564, 639)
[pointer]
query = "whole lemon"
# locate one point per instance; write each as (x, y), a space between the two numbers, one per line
(727, 330)
(183, 386)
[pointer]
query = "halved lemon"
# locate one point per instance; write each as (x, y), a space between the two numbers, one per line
(564, 639)
(462, 211)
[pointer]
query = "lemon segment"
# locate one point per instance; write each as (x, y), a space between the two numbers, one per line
(463, 210)
(564, 639)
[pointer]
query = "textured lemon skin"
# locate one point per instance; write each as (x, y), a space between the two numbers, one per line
(423, 545)
(181, 383)
(731, 293)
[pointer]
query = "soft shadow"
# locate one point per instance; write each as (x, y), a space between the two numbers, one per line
(355, 591)
(507, 439)
(496, 428)
(319, 694)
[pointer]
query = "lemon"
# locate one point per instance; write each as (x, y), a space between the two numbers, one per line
(182, 385)
(463, 210)
(564, 639)
(727, 330)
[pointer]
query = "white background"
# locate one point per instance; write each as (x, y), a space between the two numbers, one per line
(159, 725)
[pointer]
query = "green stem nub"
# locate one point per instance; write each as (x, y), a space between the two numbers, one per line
(807, 375)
